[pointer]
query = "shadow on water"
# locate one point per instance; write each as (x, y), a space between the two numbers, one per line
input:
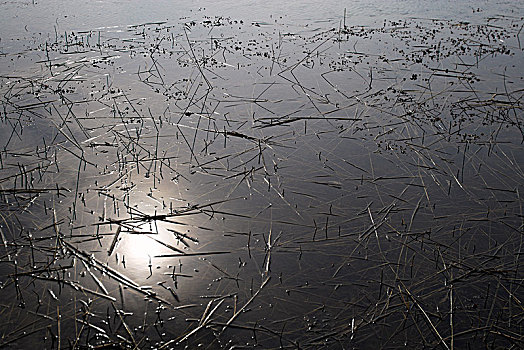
(217, 182)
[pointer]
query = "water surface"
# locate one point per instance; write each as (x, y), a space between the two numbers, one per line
(261, 174)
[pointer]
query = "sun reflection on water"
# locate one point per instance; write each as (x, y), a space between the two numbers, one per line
(137, 249)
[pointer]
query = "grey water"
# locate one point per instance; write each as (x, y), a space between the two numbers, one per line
(261, 174)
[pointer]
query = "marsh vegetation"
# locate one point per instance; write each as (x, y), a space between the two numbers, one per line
(218, 182)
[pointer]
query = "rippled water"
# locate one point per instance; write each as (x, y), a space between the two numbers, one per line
(262, 174)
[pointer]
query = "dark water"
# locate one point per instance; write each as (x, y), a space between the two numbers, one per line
(261, 175)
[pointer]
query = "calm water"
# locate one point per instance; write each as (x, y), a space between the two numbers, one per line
(21, 16)
(263, 174)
